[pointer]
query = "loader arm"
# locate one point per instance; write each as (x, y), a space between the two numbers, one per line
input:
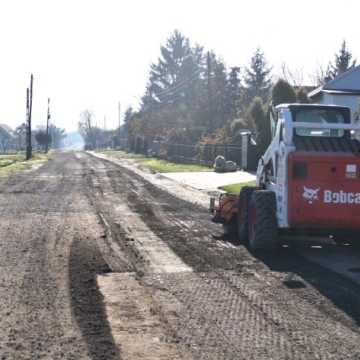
(267, 163)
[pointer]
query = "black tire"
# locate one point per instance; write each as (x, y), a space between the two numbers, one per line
(344, 238)
(243, 215)
(230, 227)
(263, 229)
(339, 241)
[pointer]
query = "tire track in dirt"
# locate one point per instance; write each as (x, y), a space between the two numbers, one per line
(50, 308)
(273, 330)
(136, 323)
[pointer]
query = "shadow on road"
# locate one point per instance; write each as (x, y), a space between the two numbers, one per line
(85, 263)
(340, 290)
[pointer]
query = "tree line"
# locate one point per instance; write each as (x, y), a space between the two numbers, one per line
(192, 97)
(15, 140)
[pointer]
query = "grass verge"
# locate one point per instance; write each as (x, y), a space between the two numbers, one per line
(10, 164)
(154, 164)
(235, 188)
(9, 159)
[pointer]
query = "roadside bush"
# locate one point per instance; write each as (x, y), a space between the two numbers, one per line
(302, 96)
(283, 93)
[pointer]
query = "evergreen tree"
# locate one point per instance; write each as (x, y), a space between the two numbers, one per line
(215, 92)
(233, 93)
(342, 63)
(257, 77)
(283, 93)
(302, 97)
(174, 96)
(177, 69)
(129, 113)
(220, 93)
(262, 123)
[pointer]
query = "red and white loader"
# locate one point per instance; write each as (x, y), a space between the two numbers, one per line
(308, 180)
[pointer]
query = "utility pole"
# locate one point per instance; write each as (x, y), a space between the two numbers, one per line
(209, 90)
(28, 156)
(29, 97)
(119, 119)
(47, 127)
(119, 115)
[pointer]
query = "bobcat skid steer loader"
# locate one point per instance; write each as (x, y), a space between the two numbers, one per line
(308, 180)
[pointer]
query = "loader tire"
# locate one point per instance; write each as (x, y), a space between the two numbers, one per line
(263, 229)
(243, 217)
(346, 238)
(230, 227)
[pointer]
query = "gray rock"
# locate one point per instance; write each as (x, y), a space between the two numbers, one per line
(220, 164)
(230, 166)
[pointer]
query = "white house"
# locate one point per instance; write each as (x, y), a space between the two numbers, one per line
(344, 90)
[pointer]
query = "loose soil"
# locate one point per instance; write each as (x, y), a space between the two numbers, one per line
(99, 263)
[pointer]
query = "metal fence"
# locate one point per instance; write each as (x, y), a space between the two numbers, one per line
(203, 154)
(244, 155)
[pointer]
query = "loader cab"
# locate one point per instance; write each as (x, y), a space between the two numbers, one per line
(305, 138)
(285, 117)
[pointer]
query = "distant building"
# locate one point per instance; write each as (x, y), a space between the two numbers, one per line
(344, 90)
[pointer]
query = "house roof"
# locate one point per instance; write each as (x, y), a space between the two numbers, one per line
(346, 83)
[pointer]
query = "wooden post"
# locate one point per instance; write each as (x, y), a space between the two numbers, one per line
(27, 125)
(29, 97)
(47, 127)
(209, 93)
(119, 120)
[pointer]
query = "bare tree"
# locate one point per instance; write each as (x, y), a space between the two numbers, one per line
(321, 75)
(87, 129)
(20, 134)
(294, 77)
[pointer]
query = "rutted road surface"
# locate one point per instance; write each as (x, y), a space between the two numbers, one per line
(98, 263)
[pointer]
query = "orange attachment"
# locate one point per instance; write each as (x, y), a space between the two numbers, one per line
(228, 207)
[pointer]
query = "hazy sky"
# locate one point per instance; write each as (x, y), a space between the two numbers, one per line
(92, 54)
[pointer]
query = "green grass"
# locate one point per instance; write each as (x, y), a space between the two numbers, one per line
(122, 155)
(8, 159)
(156, 165)
(235, 188)
(163, 166)
(10, 164)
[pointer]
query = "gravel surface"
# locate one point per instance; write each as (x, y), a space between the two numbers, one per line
(79, 226)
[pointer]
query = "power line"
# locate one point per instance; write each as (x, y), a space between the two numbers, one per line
(177, 91)
(180, 83)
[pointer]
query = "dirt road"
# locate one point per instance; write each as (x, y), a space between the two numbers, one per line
(98, 263)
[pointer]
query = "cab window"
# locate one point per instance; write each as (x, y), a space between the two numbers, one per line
(320, 116)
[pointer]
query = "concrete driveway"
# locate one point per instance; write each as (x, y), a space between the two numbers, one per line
(209, 180)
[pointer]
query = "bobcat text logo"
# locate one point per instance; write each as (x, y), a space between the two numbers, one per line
(331, 197)
(311, 194)
(341, 197)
